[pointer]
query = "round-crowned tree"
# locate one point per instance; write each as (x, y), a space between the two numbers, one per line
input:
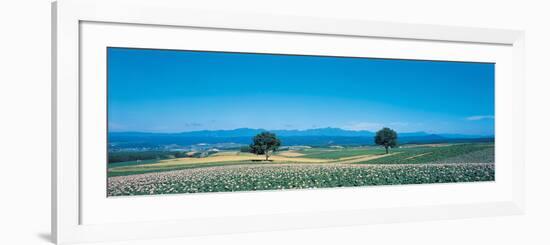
(386, 137)
(265, 143)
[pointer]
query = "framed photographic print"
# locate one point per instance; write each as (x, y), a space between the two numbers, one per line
(170, 122)
(184, 121)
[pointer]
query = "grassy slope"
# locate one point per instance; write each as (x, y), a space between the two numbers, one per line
(437, 154)
(340, 153)
(131, 163)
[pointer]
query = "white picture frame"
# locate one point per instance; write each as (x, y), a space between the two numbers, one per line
(68, 17)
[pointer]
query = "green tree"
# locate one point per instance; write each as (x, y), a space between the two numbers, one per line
(264, 143)
(386, 137)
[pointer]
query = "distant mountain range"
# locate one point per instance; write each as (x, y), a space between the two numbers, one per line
(313, 137)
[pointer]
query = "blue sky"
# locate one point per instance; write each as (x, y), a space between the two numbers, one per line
(175, 91)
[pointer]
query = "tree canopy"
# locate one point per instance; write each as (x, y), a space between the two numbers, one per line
(386, 137)
(264, 143)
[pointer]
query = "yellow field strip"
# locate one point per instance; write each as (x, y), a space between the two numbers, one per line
(238, 156)
(290, 154)
(230, 158)
(362, 158)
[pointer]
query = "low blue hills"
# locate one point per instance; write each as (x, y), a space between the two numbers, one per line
(311, 137)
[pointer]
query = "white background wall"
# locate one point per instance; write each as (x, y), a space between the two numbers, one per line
(25, 121)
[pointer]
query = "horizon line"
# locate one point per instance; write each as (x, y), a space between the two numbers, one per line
(268, 130)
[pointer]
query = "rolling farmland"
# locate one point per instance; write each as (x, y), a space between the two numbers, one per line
(305, 168)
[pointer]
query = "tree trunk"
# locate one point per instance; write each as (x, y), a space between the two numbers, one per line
(386, 149)
(266, 155)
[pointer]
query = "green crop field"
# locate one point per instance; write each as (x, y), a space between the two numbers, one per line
(307, 168)
(438, 154)
(325, 153)
(287, 176)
